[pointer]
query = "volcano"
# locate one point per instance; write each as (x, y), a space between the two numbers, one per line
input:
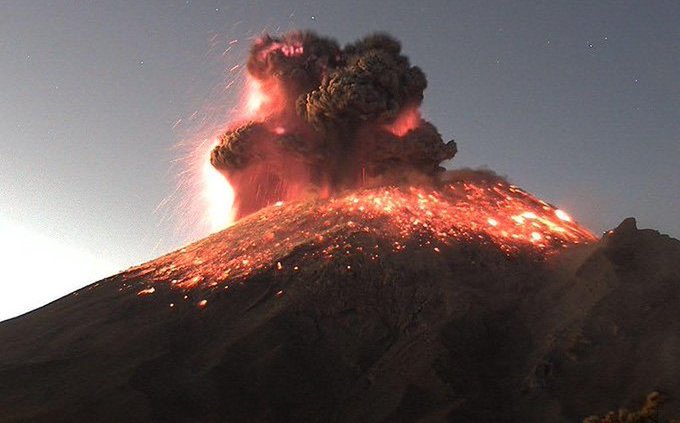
(362, 282)
(468, 303)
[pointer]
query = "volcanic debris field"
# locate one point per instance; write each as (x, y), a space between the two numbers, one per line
(362, 308)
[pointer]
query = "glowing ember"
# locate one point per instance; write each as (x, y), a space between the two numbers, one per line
(147, 291)
(288, 50)
(562, 215)
(494, 213)
(292, 50)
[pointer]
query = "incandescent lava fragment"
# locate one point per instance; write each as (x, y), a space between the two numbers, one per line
(487, 211)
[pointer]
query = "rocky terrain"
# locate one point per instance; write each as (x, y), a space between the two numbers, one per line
(333, 322)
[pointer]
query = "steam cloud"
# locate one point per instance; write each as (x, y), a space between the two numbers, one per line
(332, 118)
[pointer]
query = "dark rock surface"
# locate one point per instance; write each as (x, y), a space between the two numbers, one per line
(465, 335)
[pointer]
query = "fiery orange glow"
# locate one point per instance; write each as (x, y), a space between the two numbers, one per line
(255, 97)
(260, 99)
(216, 191)
(407, 120)
(218, 195)
(370, 223)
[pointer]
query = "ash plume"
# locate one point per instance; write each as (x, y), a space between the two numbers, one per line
(329, 118)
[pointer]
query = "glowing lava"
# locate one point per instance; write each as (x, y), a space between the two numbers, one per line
(370, 223)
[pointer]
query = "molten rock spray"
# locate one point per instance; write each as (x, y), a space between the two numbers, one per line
(344, 123)
(325, 119)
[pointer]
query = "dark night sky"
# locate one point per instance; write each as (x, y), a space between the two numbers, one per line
(577, 102)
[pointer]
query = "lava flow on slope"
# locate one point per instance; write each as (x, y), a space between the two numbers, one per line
(489, 212)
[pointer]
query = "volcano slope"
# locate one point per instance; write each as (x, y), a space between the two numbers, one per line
(363, 308)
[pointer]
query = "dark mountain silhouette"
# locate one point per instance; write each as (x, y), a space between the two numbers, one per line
(333, 322)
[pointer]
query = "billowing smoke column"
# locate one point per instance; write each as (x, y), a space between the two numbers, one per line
(326, 118)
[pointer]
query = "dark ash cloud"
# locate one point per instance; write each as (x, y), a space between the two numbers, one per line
(337, 118)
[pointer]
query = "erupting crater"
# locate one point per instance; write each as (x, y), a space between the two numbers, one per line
(488, 211)
(333, 158)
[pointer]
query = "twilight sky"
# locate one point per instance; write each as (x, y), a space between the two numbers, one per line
(577, 102)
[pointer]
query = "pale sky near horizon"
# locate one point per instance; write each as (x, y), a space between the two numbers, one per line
(577, 102)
